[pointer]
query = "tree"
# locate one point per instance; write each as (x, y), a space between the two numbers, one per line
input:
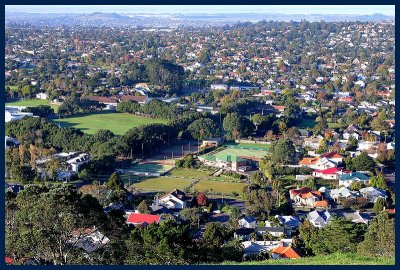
(379, 205)
(143, 208)
(282, 151)
(204, 128)
(201, 199)
(362, 162)
(380, 237)
(103, 135)
(311, 183)
(193, 215)
(259, 203)
(308, 234)
(45, 220)
(237, 125)
(257, 178)
(340, 235)
(166, 243)
(378, 181)
(115, 183)
(41, 110)
(232, 251)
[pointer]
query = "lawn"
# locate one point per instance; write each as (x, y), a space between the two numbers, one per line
(190, 173)
(32, 103)
(331, 259)
(162, 184)
(219, 187)
(119, 123)
(307, 123)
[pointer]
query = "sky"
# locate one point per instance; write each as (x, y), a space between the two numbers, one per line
(209, 9)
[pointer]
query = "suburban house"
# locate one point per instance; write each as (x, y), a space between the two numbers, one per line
(372, 194)
(306, 197)
(247, 222)
(342, 192)
(285, 252)
(143, 219)
(312, 142)
(41, 96)
(277, 231)
(318, 163)
(175, 199)
(243, 233)
(292, 222)
(330, 173)
(90, 239)
(255, 248)
(357, 217)
(319, 218)
(347, 179)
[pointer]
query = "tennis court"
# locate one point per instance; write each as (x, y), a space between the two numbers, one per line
(244, 152)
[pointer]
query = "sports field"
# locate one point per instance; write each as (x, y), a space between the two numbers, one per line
(162, 184)
(33, 103)
(219, 187)
(242, 152)
(149, 168)
(119, 123)
(251, 146)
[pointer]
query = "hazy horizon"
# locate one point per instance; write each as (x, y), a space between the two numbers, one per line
(388, 10)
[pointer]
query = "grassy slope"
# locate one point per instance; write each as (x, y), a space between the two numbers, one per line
(332, 259)
(222, 187)
(118, 123)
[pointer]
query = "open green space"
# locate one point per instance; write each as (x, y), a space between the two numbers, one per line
(119, 123)
(250, 146)
(241, 152)
(331, 259)
(219, 187)
(190, 173)
(33, 103)
(162, 184)
(149, 167)
(307, 123)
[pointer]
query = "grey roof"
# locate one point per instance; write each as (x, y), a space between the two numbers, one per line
(271, 229)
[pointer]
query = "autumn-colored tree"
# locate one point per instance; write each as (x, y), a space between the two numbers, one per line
(201, 199)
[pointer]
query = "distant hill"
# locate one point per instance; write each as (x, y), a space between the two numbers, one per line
(174, 20)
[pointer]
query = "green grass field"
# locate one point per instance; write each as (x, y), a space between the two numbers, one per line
(33, 103)
(307, 123)
(162, 184)
(248, 153)
(119, 123)
(332, 259)
(190, 173)
(219, 187)
(251, 146)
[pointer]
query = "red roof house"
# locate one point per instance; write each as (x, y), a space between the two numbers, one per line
(143, 219)
(286, 252)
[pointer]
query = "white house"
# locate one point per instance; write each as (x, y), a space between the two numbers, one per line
(247, 222)
(76, 163)
(15, 113)
(342, 192)
(319, 218)
(41, 96)
(175, 199)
